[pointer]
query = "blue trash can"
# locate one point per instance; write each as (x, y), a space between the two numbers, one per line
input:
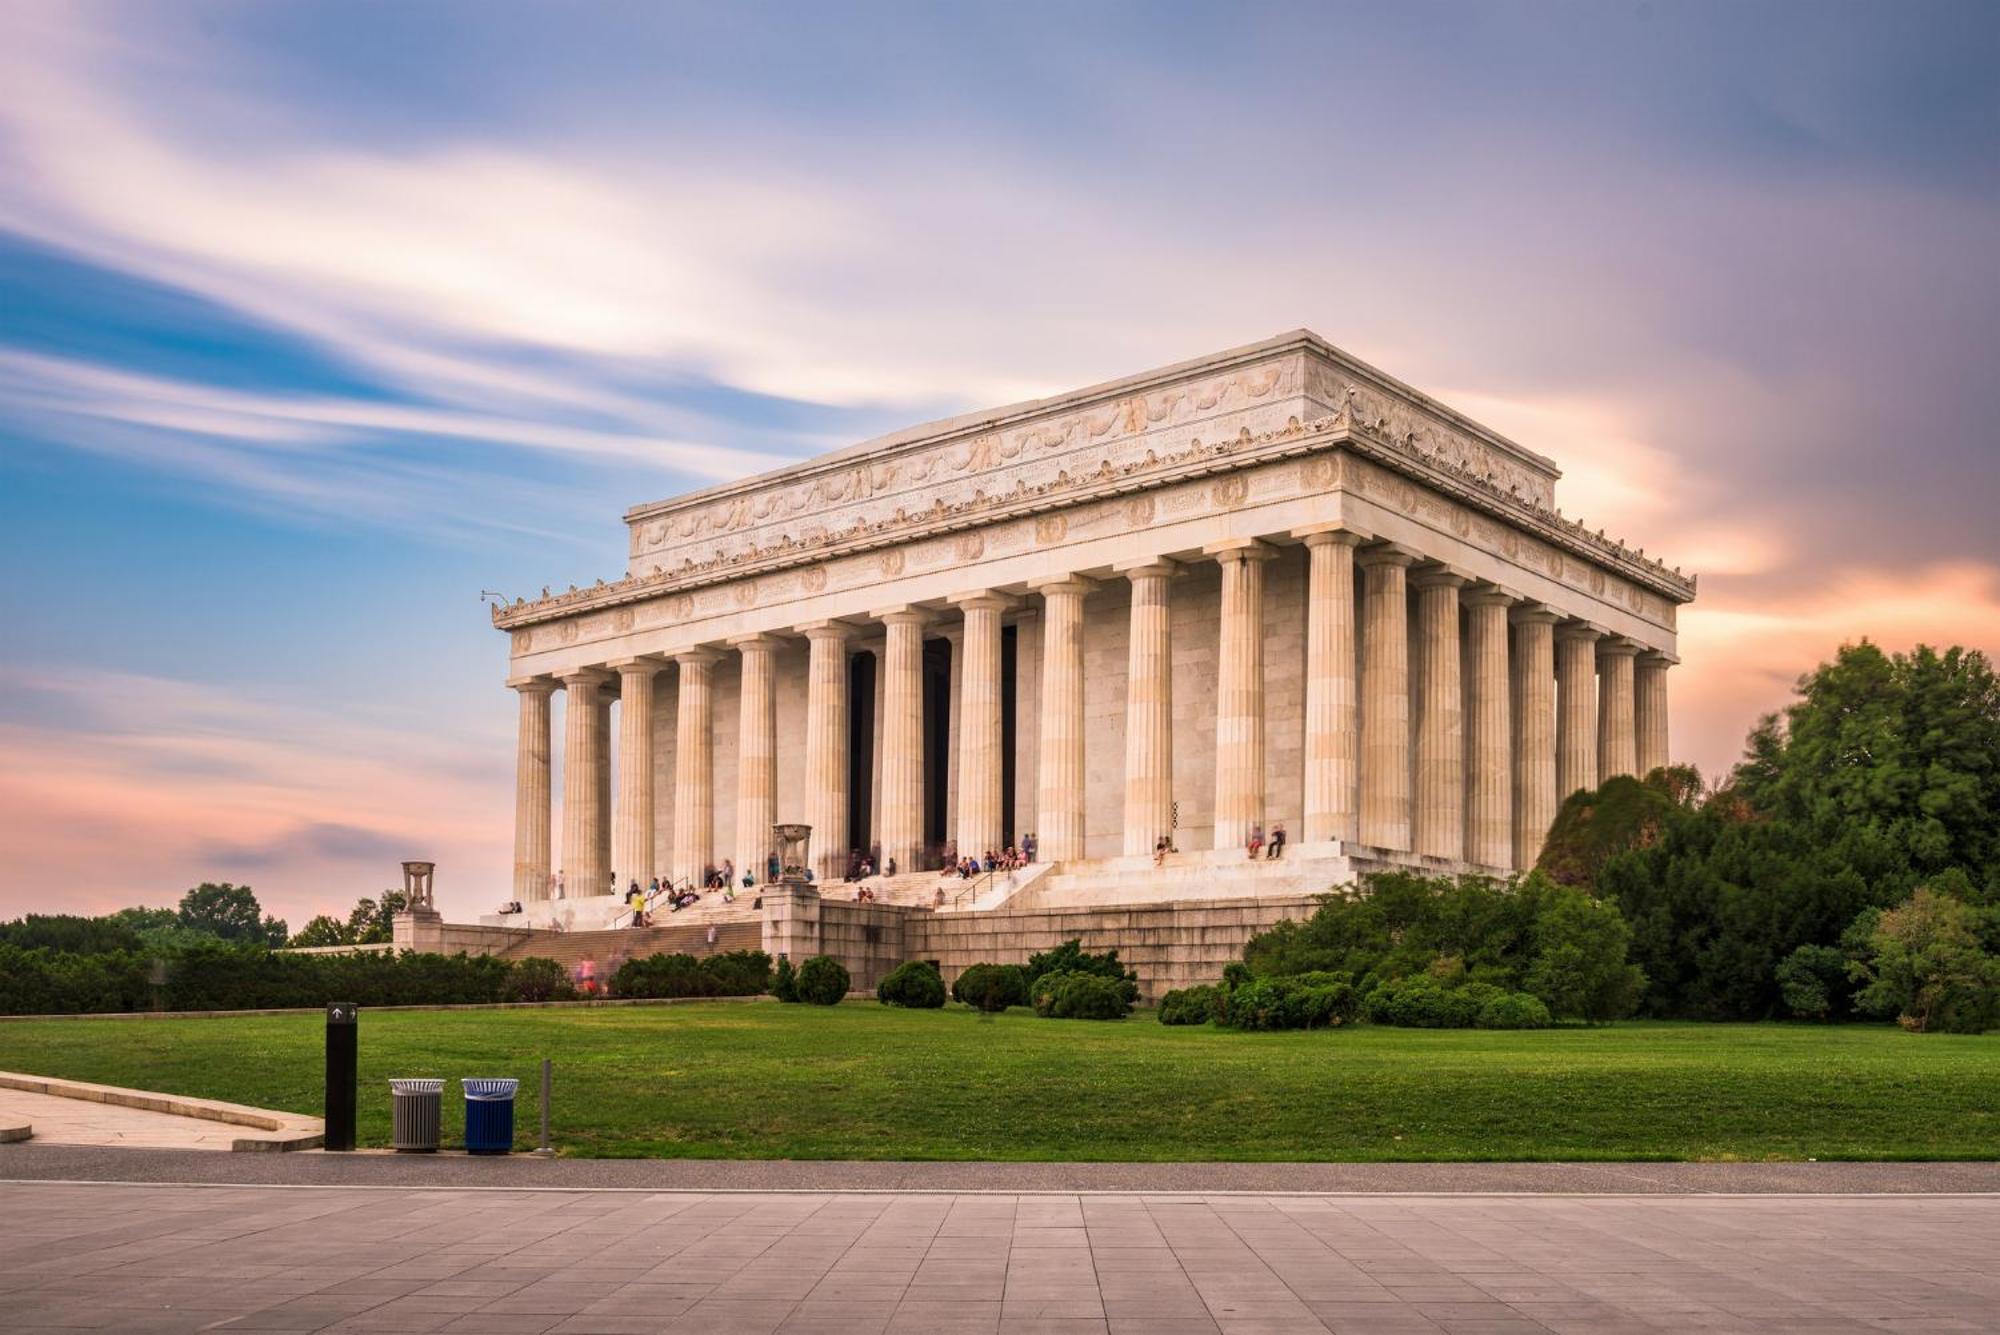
(489, 1115)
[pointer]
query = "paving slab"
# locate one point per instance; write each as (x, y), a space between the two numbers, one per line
(162, 1258)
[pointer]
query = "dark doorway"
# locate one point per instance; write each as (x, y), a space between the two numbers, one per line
(937, 746)
(1008, 658)
(860, 752)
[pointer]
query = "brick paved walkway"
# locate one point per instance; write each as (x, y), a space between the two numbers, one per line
(181, 1259)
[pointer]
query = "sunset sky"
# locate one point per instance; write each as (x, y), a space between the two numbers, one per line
(316, 320)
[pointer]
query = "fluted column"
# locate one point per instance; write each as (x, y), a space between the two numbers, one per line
(583, 813)
(1332, 741)
(1617, 727)
(756, 753)
(979, 757)
(1149, 707)
(605, 698)
(1060, 775)
(532, 791)
(694, 765)
(903, 738)
(826, 745)
(632, 850)
(1650, 708)
(1385, 697)
(1534, 674)
(1576, 709)
(1239, 691)
(1489, 731)
(1440, 708)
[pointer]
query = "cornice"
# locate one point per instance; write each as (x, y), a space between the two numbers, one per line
(1338, 431)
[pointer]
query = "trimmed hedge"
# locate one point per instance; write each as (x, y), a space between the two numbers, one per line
(739, 973)
(1313, 1000)
(1082, 996)
(991, 987)
(1191, 1005)
(1422, 1002)
(824, 981)
(915, 984)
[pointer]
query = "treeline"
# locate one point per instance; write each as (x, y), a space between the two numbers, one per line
(1848, 866)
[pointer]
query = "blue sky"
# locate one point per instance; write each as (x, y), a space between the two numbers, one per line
(317, 320)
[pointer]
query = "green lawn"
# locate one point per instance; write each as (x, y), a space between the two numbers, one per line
(866, 1082)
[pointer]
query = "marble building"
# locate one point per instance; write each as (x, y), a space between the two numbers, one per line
(1269, 586)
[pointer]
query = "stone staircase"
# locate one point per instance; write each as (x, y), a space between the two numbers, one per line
(1210, 874)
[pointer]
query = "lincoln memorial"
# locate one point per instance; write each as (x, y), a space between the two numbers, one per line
(1271, 587)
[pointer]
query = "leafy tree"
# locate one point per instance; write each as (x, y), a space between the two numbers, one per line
(371, 921)
(1579, 970)
(229, 913)
(1593, 824)
(70, 933)
(323, 930)
(1925, 967)
(1812, 981)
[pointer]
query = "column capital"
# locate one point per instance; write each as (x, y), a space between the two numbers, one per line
(701, 655)
(540, 684)
(761, 640)
(827, 630)
(1437, 575)
(643, 663)
(1488, 595)
(1618, 646)
(1385, 554)
(1331, 534)
(1659, 658)
(1078, 584)
(1534, 614)
(1239, 549)
(982, 600)
(1148, 567)
(1580, 630)
(905, 614)
(586, 676)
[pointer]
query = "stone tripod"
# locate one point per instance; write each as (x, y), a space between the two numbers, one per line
(1271, 586)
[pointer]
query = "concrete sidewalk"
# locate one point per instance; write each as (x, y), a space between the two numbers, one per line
(174, 1260)
(35, 1161)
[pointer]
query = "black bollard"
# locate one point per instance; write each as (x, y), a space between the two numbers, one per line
(342, 1035)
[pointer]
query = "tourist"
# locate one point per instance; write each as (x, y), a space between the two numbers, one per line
(653, 888)
(559, 883)
(890, 870)
(937, 900)
(771, 868)
(1160, 851)
(728, 872)
(586, 976)
(1256, 839)
(635, 898)
(711, 936)
(1277, 849)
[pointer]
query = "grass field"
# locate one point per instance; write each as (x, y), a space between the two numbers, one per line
(862, 1081)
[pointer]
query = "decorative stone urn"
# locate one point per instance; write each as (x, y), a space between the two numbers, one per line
(793, 841)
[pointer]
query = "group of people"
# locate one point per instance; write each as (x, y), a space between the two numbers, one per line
(1009, 858)
(1273, 850)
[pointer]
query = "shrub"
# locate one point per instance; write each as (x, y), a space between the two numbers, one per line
(785, 986)
(1812, 982)
(1925, 966)
(1082, 996)
(1421, 1002)
(1315, 1000)
(1514, 1010)
(915, 984)
(1190, 1005)
(1071, 957)
(823, 981)
(992, 987)
(539, 980)
(739, 973)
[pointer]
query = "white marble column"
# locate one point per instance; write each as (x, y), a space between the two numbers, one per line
(1489, 731)
(1617, 727)
(1576, 709)
(694, 765)
(979, 757)
(1060, 774)
(1385, 697)
(826, 745)
(903, 738)
(532, 792)
(756, 753)
(632, 849)
(1332, 740)
(1650, 709)
(1534, 674)
(1239, 691)
(606, 697)
(583, 813)
(1149, 707)
(1440, 710)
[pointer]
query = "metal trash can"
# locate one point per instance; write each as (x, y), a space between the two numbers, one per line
(416, 1119)
(489, 1115)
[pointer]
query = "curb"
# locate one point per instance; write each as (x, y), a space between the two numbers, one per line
(587, 1003)
(286, 1131)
